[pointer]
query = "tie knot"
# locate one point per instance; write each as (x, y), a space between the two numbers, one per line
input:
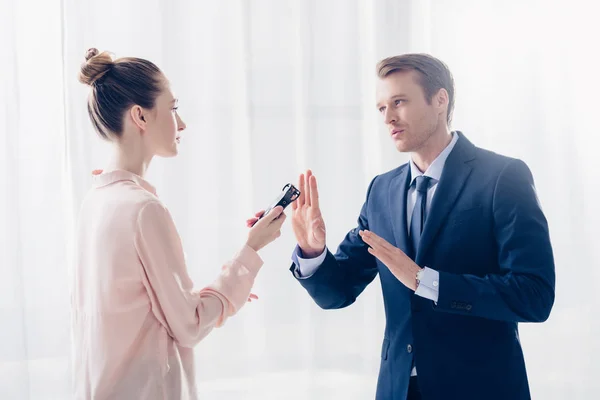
(422, 183)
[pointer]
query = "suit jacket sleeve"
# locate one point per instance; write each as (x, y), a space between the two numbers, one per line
(524, 290)
(342, 277)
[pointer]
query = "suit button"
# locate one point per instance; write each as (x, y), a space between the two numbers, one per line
(409, 348)
(468, 307)
(453, 304)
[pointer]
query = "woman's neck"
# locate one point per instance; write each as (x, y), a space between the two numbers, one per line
(130, 157)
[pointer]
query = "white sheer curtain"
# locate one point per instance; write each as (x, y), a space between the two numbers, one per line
(269, 88)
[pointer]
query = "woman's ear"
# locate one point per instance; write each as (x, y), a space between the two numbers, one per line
(137, 115)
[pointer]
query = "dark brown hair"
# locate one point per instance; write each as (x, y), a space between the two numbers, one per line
(433, 74)
(116, 86)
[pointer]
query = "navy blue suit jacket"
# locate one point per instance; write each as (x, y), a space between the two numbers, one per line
(488, 238)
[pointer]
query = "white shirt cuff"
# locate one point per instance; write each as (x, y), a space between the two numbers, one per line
(306, 267)
(429, 285)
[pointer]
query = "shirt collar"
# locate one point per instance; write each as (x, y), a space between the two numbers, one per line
(102, 178)
(437, 166)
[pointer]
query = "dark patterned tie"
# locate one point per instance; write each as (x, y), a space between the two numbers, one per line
(418, 215)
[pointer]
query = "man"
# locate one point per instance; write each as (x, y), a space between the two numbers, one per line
(459, 241)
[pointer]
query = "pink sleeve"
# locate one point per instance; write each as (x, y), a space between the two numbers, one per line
(187, 314)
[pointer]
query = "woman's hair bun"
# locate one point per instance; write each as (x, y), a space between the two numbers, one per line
(96, 65)
(91, 53)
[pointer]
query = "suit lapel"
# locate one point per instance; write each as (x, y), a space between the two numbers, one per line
(454, 176)
(397, 204)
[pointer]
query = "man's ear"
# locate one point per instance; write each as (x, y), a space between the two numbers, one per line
(137, 116)
(441, 100)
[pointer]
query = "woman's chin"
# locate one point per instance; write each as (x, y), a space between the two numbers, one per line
(171, 152)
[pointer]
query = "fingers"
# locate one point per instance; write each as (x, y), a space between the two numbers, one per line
(280, 220)
(314, 193)
(366, 237)
(375, 246)
(251, 221)
(274, 213)
(382, 254)
(276, 225)
(302, 196)
(307, 187)
(377, 254)
(373, 240)
(309, 195)
(382, 249)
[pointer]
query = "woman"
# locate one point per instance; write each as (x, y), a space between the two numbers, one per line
(136, 315)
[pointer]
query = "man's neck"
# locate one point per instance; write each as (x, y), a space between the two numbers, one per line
(431, 149)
